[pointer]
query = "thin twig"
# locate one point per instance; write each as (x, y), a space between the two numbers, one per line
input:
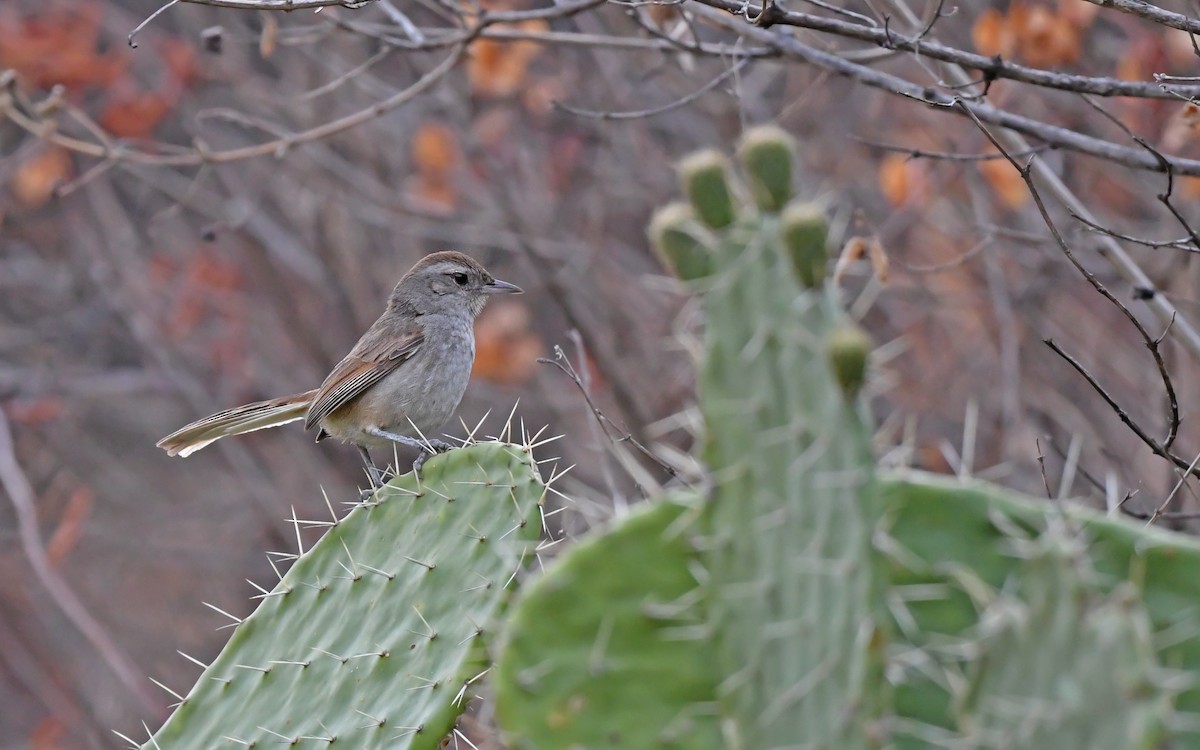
(1162, 507)
(1165, 196)
(1179, 244)
(652, 111)
(583, 380)
(1041, 459)
(1123, 415)
(615, 433)
(920, 153)
(202, 155)
(144, 24)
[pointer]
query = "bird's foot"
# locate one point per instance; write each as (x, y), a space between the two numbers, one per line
(430, 448)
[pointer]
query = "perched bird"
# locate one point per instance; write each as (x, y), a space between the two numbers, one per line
(402, 380)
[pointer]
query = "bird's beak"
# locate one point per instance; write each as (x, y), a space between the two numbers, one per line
(501, 287)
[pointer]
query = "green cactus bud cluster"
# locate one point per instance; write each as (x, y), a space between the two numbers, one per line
(766, 155)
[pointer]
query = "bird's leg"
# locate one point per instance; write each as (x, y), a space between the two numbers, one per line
(427, 447)
(374, 474)
(372, 470)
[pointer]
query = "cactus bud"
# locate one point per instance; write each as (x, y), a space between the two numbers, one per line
(848, 350)
(766, 154)
(675, 236)
(705, 177)
(804, 235)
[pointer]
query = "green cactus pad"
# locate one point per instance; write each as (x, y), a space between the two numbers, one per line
(766, 153)
(705, 178)
(804, 238)
(1061, 664)
(609, 649)
(955, 544)
(677, 239)
(371, 640)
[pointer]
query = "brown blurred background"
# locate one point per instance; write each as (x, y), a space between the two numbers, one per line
(146, 295)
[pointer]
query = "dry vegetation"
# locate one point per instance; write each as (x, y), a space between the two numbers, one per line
(213, 216)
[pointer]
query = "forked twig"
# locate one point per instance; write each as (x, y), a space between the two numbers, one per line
(611, 430)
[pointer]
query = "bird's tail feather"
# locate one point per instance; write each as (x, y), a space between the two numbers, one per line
(236, 421)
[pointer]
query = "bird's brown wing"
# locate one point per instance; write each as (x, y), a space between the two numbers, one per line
(378, 352)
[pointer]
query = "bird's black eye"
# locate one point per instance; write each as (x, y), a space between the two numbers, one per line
(459, 278)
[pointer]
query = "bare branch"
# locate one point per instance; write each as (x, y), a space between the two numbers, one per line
(147, 22)
(1151, 13)
(993, 68)
(202, 155)
(1123, 415)
(1112, 251)
(1054, 135)
(20, 493)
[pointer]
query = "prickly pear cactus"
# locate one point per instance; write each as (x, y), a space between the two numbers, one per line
(372, 638)
(793, 504)
(842, 607)
(785, 539)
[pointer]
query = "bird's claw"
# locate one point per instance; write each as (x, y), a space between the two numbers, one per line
(428, 449)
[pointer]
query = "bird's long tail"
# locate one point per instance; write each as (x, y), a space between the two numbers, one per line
(237, 421)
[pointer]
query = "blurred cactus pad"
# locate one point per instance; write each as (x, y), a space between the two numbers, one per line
(809, 599)
(375, 638)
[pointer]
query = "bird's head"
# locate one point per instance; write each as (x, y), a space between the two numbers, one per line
(448, 282)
